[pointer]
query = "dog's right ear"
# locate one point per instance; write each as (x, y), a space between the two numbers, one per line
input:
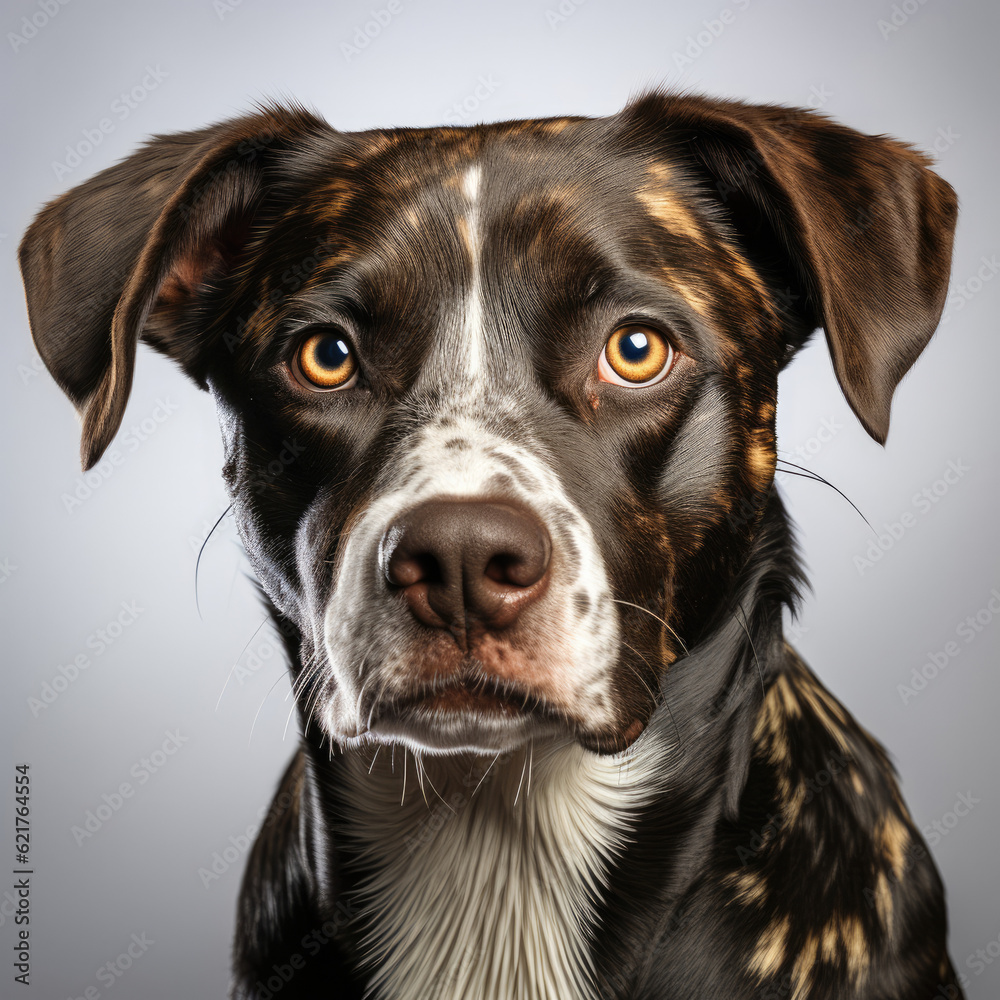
(149, 231)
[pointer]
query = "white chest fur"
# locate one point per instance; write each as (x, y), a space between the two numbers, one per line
(485, 881)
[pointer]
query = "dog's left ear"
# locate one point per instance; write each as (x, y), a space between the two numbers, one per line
(145, 236)
(859, 224)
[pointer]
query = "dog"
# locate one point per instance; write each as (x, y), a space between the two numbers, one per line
(498, 405)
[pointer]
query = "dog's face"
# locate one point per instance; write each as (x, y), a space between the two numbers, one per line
(498, 402)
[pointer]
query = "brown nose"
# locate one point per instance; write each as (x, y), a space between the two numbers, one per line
(462, 563)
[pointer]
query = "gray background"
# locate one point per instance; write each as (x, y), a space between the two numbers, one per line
(931, 80)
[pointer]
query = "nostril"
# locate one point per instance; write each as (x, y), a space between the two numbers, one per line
(498, 568)
(516, 570)
(404, 570)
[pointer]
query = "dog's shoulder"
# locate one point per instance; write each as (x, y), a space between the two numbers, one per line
(824, 871)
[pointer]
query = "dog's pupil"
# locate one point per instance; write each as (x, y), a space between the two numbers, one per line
(331, 353)
(634, 347)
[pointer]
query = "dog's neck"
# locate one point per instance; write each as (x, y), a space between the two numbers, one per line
(483, 874)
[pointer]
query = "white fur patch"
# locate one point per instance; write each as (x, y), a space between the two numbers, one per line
(486, 889)
(473, 325)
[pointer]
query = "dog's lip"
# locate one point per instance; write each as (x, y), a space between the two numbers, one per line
(459, 695)
(482, 696)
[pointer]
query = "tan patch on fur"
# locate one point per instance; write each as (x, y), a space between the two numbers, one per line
(694, 296)
(761, 456)
(802, 970)
(332, 200)
(883, 902)
(666, 206)
(769, 955)
(827, 711)
(463, 229)
(843, 939)
(749, 888)
(856, 945)
(893, 839)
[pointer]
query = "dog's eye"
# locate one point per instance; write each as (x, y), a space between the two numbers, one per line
(635, 356)
(325, 361)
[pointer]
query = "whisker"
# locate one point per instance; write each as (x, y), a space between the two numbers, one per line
(197, 562)
(657, 700)
(485, 773)
(232, 669)
(418, 765)
(642, 680)
(657, 617)
(438, 794)
(269, 690)
(745, 626)
(809, 474)
(524, 767)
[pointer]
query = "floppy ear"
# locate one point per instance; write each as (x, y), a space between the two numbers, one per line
(858, 224)
(149, 232)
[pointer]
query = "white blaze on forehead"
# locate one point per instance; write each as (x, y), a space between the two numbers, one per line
(472, 326)
(470, 183)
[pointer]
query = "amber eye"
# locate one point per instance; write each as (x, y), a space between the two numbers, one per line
(635, 356)
(325, 361)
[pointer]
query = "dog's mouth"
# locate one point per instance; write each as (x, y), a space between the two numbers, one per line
(477, 714)
(485, 695)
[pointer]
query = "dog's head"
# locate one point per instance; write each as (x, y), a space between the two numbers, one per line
(498, 402)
